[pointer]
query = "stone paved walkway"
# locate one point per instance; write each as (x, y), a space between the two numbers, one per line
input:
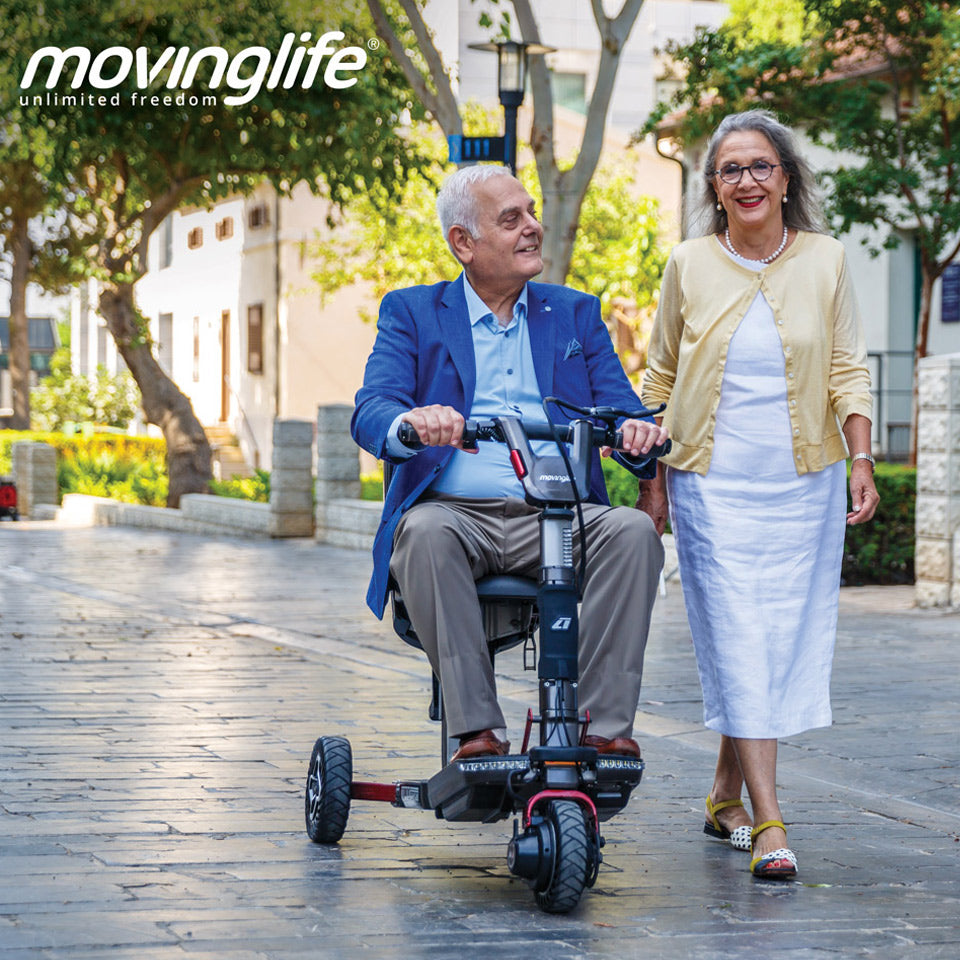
(160, 694)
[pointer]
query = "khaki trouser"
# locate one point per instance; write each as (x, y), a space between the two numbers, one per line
(442, 545)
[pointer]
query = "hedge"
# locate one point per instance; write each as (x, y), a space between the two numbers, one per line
(130, 469)
(881, 551)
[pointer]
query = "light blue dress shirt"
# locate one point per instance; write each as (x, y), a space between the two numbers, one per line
(506, 386)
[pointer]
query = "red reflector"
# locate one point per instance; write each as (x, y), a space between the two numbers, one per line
(518, 468)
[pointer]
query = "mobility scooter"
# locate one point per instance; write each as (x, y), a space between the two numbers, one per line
(561, 789)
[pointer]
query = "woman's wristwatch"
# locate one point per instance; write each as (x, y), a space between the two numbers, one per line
(864, 456)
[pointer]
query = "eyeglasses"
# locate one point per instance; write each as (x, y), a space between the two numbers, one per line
(760, 170)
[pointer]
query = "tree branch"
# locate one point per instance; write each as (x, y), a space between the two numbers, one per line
(614, 34)
(541, 130)
(441, 101)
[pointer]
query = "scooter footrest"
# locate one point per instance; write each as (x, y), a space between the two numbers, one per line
(492, 788)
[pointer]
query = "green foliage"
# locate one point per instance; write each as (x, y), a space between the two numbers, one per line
(255, 488)
(882, 551)
(130, 469)
(65, 397)
(621, 484)
(784, 22)
(371, 484)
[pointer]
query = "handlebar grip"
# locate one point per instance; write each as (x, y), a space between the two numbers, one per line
(408, 436)
(659, 450)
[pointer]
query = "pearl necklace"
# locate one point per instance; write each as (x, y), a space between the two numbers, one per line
(773, 256)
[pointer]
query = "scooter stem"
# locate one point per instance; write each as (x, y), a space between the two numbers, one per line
(559, 629)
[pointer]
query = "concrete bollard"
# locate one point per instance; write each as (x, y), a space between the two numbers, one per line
(338, 461)
(35, 474)
(937, 560)
(291, 479)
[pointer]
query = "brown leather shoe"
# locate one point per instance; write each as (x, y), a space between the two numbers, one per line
(624, 746)
(484, 743)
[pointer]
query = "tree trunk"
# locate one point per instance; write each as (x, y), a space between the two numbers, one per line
(928, 276)
(561, 216)
(19, 325)
(188, 450)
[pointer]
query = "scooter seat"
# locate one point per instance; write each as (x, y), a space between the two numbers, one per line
(501, 586)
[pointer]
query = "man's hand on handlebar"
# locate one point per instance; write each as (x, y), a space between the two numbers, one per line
(639, 438)
(437, 426)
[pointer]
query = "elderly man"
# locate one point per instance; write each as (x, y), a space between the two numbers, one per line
(489, 344)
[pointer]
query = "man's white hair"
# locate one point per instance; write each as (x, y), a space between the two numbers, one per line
(456, 203)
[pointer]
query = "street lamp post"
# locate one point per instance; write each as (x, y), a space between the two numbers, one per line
(511, 84)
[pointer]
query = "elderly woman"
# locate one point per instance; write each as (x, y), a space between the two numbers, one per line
(759, 354)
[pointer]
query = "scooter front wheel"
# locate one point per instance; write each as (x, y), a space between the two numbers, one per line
(327, 795)
(571, 856)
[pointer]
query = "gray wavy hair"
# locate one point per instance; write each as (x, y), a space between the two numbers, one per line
(803, 211)
(456, 204)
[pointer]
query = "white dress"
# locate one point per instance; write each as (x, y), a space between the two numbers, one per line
(760, 550)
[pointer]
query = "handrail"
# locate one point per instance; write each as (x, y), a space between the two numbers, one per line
(245, 422)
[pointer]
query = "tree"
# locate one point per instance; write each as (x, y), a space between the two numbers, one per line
(401, 24)
(35, 242)
(877, 81)
(139, 160)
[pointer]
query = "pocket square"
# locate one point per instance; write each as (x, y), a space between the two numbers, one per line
(573, 349)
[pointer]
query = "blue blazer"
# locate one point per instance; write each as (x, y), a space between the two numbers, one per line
(423, 354)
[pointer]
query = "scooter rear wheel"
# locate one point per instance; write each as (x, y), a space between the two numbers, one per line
(571, 857)
(327, 795)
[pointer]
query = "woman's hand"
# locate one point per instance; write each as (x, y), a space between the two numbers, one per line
(863, 493)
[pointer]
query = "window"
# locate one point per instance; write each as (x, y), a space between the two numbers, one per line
(224, 228)
(255, 338)
(166, 243)
(570, 91)
(258, 216)
(195, 238)
(196, 349)
(101, 345)
(165, 343)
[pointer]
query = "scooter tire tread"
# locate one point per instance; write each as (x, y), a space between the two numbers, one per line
(326, 814)
(570, 869)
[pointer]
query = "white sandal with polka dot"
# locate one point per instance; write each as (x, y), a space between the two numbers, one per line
(739, 837)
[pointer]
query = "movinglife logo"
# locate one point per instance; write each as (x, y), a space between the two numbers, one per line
(245, 73)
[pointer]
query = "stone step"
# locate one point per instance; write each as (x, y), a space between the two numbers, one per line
(348, 523)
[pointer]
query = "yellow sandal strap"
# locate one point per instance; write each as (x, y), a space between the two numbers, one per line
(714, 808)
(757, 830)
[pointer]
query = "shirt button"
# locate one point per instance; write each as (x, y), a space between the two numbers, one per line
(793, 403)
(779, 323)
(786, 349)
(509, 369)
(790, 376)
(796, 432)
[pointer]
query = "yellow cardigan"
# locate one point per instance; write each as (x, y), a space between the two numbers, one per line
(705, 295)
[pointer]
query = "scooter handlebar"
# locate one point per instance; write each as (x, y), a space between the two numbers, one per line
(474, 430)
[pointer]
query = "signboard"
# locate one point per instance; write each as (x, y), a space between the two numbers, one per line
(473, 149)
(950, 294)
